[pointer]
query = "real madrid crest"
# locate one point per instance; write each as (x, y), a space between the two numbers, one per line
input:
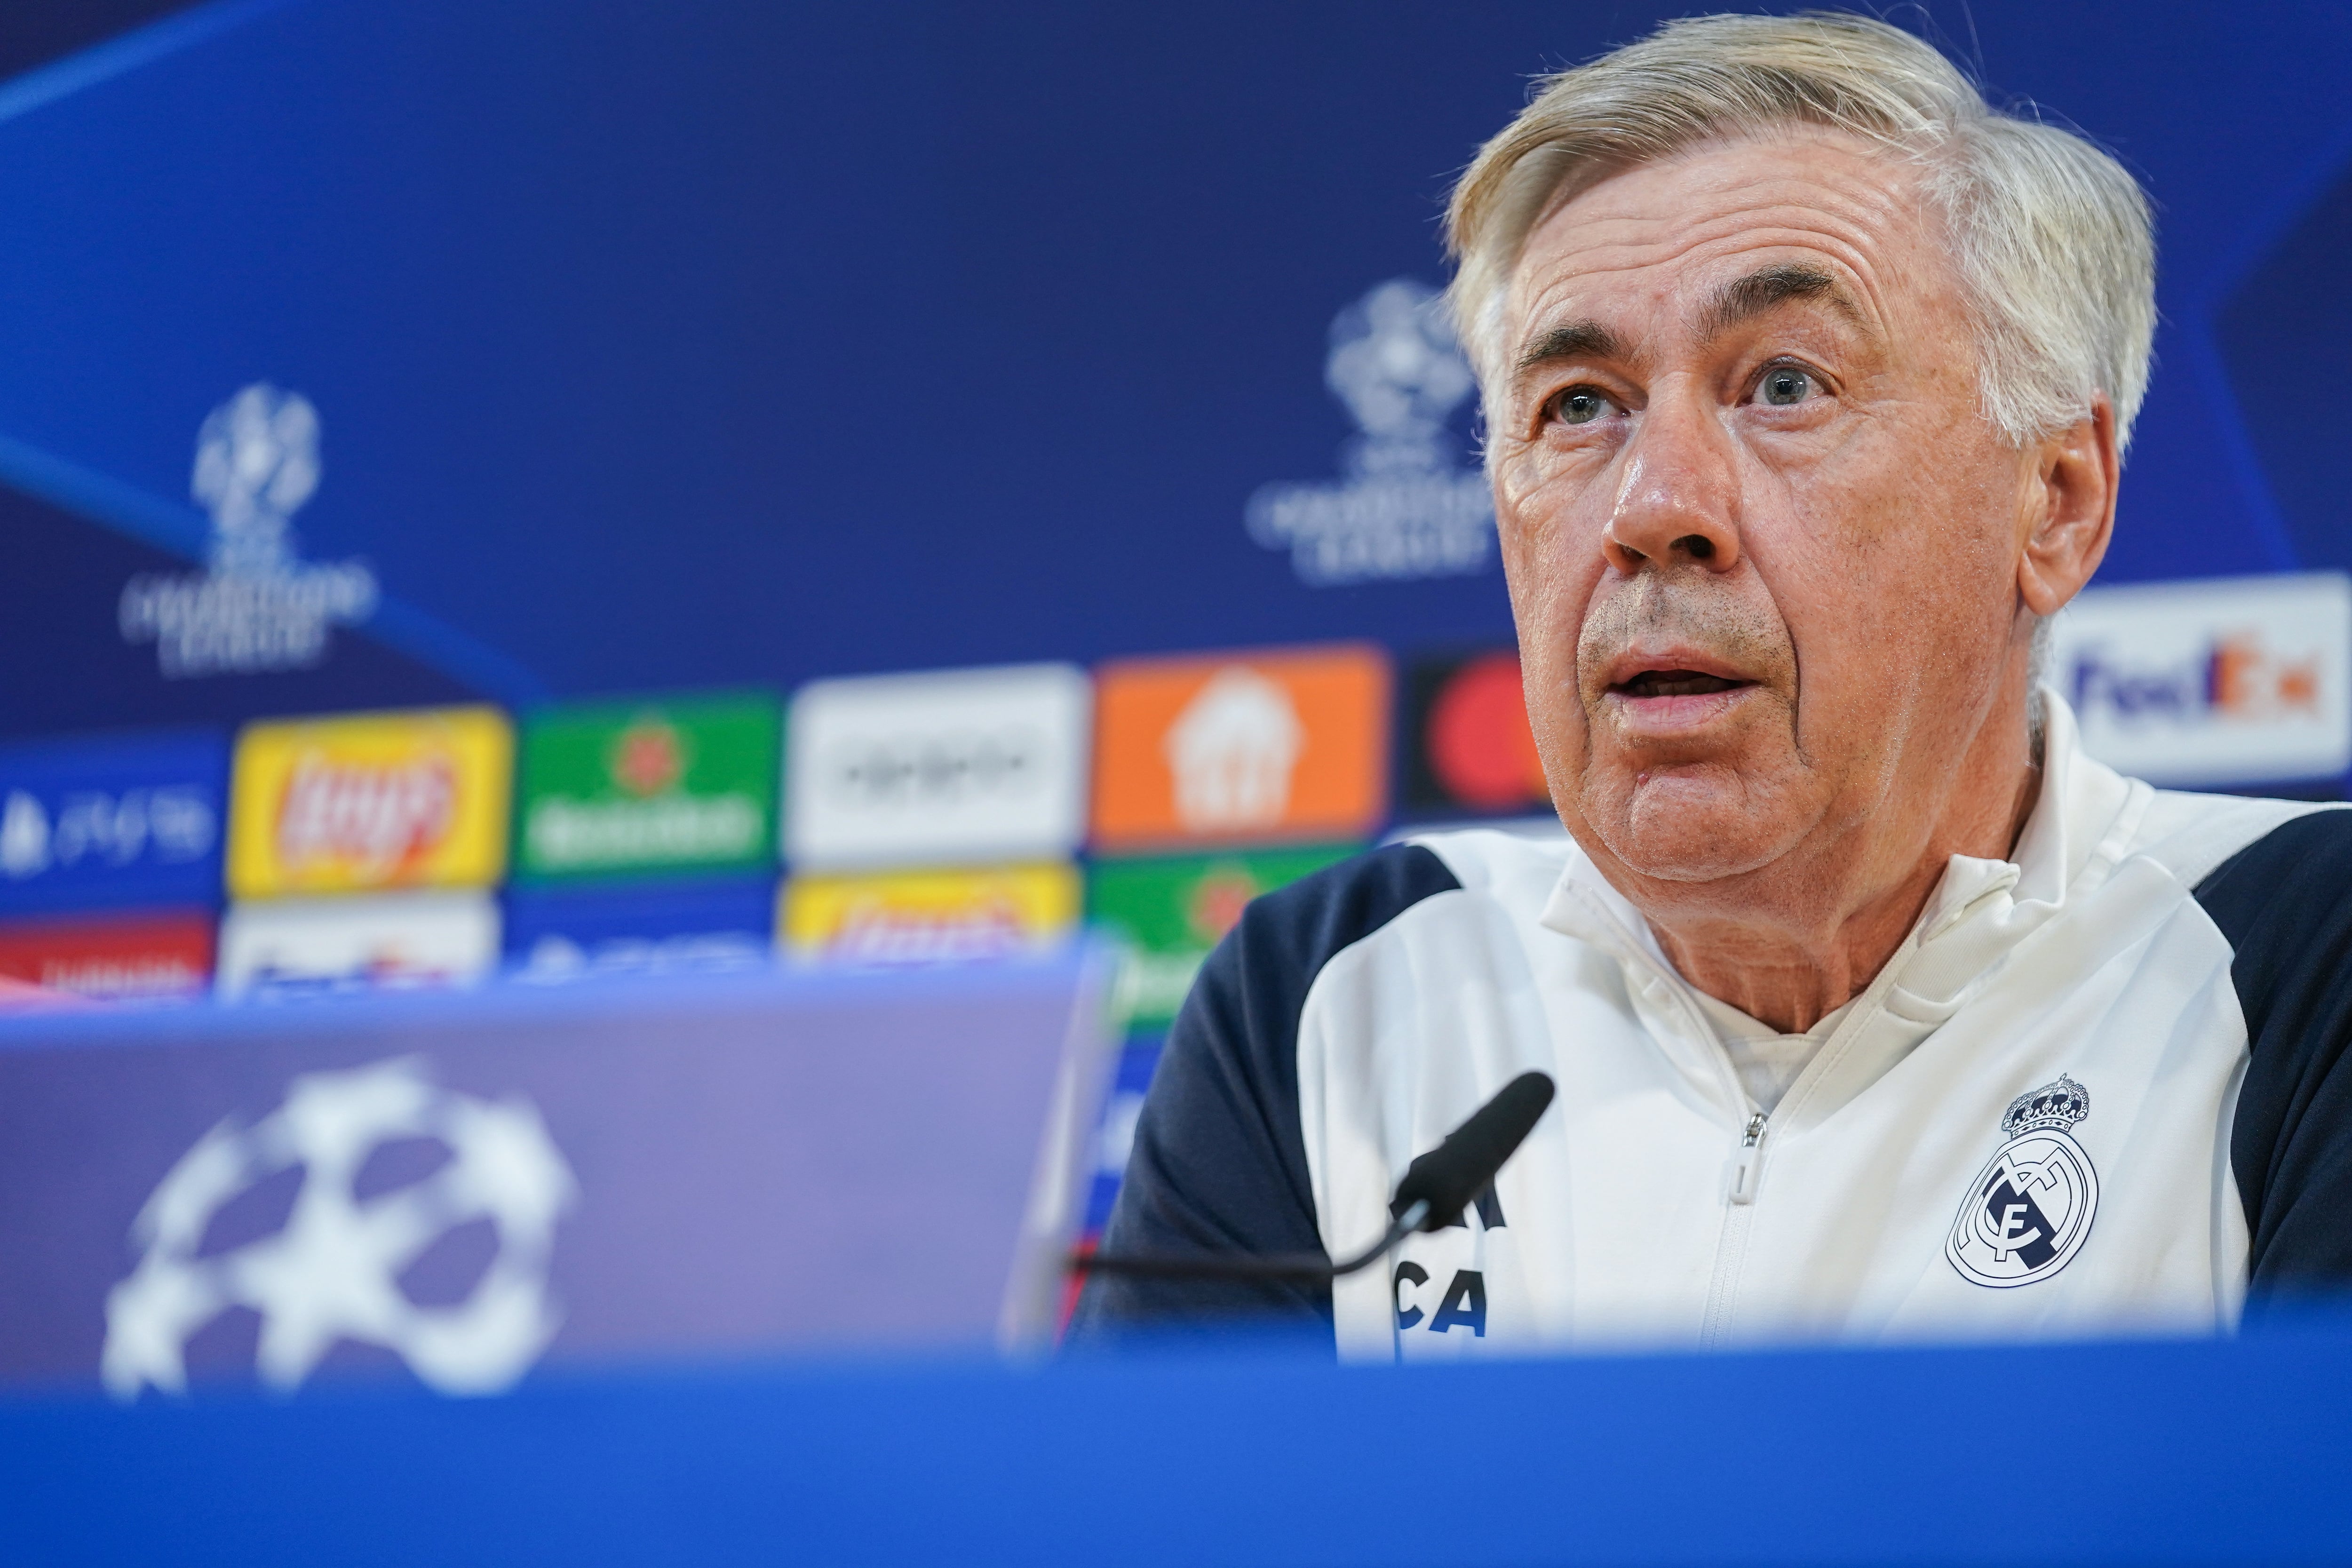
(2030, 1209)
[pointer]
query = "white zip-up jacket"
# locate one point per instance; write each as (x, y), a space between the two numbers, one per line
(2098, 1089)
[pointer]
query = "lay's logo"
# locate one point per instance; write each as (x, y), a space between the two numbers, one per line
(378, 821)
(368, 802)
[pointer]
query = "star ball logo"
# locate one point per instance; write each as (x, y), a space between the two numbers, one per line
(1406, 507)
(257, 606)
(334, 1269)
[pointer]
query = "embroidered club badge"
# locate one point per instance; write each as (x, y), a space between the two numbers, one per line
(2029, 1211)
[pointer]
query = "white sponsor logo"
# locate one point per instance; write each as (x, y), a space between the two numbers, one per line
(567, 833)
(1233, 750)
(2239, 680)
(291, 946)
(257, 606)
(1407, 507)
(332, 1271)
(957, 767)
(93, 826)
(557, 960)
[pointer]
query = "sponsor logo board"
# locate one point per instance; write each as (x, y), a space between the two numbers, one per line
(560, 934)
(1467, 745)
(1168, 912)
(146, 955)
(1270, 745)
(110, 821)
(386, 942)
(930, 916)
(371, 801)
(613, 789)
(2236, 680)
(956, 767)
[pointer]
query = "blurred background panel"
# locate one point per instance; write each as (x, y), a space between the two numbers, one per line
(719, 343)
(608, 512)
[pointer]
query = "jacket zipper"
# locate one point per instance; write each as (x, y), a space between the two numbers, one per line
(1740, 1177)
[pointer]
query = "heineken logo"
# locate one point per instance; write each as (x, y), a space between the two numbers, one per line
(567, 835)
(1217, 901)
(648, 758)
(681, 786)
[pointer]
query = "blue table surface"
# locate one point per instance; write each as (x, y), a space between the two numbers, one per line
(2237, 1451)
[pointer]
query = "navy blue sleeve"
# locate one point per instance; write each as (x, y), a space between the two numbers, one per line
(2284, 903)
(1218, 1162)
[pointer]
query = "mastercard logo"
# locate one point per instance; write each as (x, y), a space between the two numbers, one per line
(1469, 745)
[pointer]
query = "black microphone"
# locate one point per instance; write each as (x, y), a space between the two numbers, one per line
(1435, 1190)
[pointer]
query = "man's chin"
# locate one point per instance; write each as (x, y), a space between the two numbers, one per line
(1688, 828)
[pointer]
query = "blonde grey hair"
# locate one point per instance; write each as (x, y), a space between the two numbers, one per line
(2051, 235)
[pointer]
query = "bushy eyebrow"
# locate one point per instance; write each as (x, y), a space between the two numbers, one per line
(1766, 287)
(1736, 301)
(1577, 340)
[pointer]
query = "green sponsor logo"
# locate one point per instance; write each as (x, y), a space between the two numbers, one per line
(1167, 913)
(618, 789)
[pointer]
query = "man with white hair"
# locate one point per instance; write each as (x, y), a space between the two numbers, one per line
(1878, 1010)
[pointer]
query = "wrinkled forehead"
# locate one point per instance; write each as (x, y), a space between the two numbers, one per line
(1645, 248)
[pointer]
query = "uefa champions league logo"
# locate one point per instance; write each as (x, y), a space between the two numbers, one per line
(332, 1270)
(259, 606)
(1407, 507)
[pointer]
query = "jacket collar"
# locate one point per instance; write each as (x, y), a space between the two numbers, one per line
(2080, 828)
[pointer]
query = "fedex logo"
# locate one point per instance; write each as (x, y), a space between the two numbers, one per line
(2237, 677)
(2231, 682)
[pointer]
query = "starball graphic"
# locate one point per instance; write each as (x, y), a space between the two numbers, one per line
(257, 605)
(1407, 507)
(333, 1271)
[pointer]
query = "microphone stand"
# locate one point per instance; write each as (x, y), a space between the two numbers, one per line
(1435, 1190)
(1242, 1266)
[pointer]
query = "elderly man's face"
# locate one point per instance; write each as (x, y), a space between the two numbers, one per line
(1762, 546)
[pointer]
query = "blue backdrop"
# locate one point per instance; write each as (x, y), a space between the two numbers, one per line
(722, 342)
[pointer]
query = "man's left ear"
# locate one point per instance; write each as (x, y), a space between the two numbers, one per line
(2069, 509)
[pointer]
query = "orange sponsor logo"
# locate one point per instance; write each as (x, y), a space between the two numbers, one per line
(1290, 745)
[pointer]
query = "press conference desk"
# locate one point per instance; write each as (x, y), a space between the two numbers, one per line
(2237, 1452)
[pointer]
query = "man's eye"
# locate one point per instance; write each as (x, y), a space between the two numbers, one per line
(1784, 384)
(1581, 405)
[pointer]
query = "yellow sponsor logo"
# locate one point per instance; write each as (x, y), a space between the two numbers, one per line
(376, 800)
(928, 917)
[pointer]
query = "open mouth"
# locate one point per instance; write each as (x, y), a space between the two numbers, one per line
(1677, 683)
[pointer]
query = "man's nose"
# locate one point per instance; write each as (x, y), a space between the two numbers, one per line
(1678, 500)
